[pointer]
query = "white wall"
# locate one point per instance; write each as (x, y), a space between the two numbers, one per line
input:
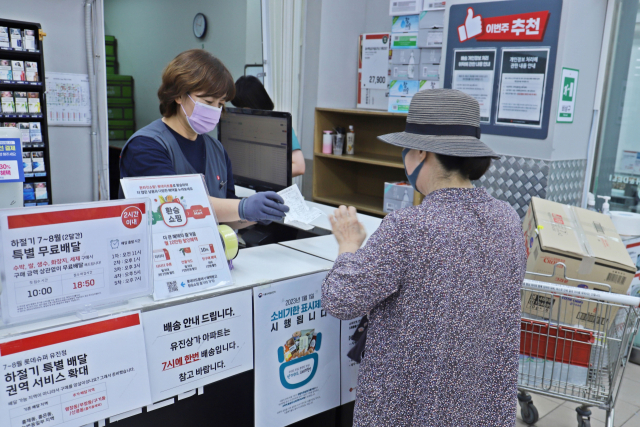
(253, 53)
(64, 51)
(151, 33)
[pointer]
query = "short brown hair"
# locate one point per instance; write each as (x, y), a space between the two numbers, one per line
(192, 71)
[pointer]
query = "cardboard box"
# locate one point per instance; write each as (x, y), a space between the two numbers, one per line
(404, 40)
(431, 19)
(633, 249)
(429, 71)
(429, 38)
(403, 56)
(405, 72)
(434, 5)
(373, 99)
(404, 24)
(431, 55)
(373, 60)
(405, 7)
(589, 245)
(406, 88)
(399, 104)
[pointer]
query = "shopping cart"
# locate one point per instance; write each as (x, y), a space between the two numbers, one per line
(574, 345)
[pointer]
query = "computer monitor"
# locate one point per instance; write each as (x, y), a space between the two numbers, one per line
(259, 146)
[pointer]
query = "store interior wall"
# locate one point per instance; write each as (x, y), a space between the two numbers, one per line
(64, 52)
(150, 33)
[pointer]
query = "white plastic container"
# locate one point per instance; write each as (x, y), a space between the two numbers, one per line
(327, 141)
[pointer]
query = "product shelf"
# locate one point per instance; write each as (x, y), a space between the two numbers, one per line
(373, 159)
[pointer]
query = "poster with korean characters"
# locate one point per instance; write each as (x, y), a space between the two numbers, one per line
(297, 343)
(348, 368)
(70, 258)
(75, 374)
(188, 255)
(194, 344)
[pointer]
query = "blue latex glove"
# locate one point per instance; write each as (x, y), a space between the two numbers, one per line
(265, 206)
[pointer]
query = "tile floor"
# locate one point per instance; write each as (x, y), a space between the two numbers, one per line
(558, 413)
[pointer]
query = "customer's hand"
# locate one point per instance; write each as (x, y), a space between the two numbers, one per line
(349, 232)
(265, 206)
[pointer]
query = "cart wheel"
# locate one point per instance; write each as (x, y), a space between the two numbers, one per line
(582, 422)
(529, 413)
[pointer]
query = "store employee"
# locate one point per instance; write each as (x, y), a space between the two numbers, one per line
(195, 86)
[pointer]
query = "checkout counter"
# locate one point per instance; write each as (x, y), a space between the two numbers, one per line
(231, 400)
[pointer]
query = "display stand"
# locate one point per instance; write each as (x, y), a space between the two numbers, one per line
(14, 85)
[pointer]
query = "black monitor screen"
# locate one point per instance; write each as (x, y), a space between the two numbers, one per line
(259, 146)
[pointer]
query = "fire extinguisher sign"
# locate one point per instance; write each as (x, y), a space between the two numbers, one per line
(567, 98)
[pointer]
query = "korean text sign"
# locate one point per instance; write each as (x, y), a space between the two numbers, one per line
(61, 259)
(195, 344)
(74, 375)
(297, 373)
(188, 255)
(11, 169)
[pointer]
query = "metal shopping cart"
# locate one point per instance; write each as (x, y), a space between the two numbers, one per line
(574, 345)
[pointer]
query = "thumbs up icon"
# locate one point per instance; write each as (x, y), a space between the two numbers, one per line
(471, 28)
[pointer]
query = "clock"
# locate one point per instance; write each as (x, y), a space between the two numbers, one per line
(199, 25)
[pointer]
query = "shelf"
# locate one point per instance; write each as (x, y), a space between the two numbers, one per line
(361, 112)
(362, 202)
(20, 115)
(372, 159)
(20, 83)
(25, 52)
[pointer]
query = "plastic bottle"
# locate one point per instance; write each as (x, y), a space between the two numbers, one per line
(591, 202)
(351, 139)
(338, 145)
(605, 205)
(411, 67)
(327, 141)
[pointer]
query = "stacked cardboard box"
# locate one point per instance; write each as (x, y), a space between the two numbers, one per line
(120, 104)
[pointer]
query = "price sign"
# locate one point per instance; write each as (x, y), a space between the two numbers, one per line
(62, 259)
(188, 255)
(374, 60)
(11, 169)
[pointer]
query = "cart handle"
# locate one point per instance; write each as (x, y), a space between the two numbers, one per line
(564, 274)
(627, 300)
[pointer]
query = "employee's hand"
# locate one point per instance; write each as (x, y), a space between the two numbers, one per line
(349, 232)
(265, 206)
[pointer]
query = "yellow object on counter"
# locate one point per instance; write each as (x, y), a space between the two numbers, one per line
(229, 241)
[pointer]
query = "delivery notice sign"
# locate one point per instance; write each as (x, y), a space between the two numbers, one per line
(74, 375)
(298, 372)
(195, 344)
(61, 259)
(188, 255)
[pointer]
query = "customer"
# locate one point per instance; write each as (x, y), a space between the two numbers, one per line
(440, 282)
(250, 93)
(195, 86)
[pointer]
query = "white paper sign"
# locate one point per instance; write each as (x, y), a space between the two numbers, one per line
(473, 71)
(198, 343)
(66, 258)
(567, 98)
(374, 60)
(68, 99)
(348, 368)
(297, 347)
(73, 375)
(299, 215)
(188, 255)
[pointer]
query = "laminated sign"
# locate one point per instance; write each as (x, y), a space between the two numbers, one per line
(74, 375)
(297, 373)
(195, 344)
(68, 258)
(188, 255)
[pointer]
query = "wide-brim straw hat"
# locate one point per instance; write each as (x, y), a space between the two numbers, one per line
(442, 121)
